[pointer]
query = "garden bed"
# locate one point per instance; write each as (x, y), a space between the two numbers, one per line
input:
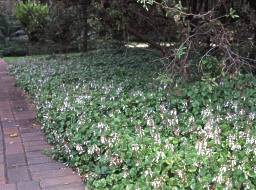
(117, 119)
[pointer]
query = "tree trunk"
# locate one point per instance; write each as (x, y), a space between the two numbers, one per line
(84, 26)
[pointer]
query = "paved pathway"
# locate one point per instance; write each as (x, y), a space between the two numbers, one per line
(23, 166)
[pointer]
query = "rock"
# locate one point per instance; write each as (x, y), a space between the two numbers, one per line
(19, 36)
(13, 52)
(19, 33)
(23, 38)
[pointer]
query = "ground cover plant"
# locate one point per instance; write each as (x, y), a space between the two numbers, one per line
(123, 124)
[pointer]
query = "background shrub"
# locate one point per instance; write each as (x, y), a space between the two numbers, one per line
(33, 16)
(13, 40)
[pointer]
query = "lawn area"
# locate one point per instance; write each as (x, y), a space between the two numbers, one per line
(119, 120)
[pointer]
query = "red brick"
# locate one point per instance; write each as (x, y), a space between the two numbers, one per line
(37, 148)
(28, 185)
(10, 131)
(39, 160)
(14, 148)
(25, 115)
(1, 158)
(26, 122)
(11, 140)
(15, 160)
(6, 117)
(52, 173)
(8, 187)
(37, 133)
(66, 180)
(5, 105)
(45, 167)
(18, 174)
(73, 186)
(35, 154)
(2, 174)
(19, 105)
(35, 143)
(8, 124)
(33, 138)
(28, 129)
(1, 147)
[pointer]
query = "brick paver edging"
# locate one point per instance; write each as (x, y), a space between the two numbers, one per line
(23, 166)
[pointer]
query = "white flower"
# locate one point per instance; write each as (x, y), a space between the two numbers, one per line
(79, 99)
(232, 142)
(159, 155)
(169, 146)
(101, 126)
(201, 147)
(181, 175)
(229, 183)
(93, 149)
(251, 116)
(211, 130)
(172, 122)
(163, 108)
(148, 172)
(157, 138)
(173, 112)
(223, 169)
(67, 149)
(191, 120)
(125, 174)
(79, 148)
(233, 163)
(206, 112)
(103, 140)
(242, 112)
(156, 183)
(218, 179)
(135, 147)
(140, 131)
(115, 160)
(150, 122)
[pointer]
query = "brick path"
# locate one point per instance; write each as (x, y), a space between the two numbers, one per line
(23, 166)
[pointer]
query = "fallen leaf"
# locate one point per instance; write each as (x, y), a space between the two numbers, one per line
(13, 135)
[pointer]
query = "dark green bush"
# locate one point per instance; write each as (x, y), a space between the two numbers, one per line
(12, 38)
(122, 125)
(33, 16)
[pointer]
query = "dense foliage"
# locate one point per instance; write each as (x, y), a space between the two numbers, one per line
(58, 25)
(12, 39)
(188, 30)
(33, 16)
(118, 119)
(185, 31)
